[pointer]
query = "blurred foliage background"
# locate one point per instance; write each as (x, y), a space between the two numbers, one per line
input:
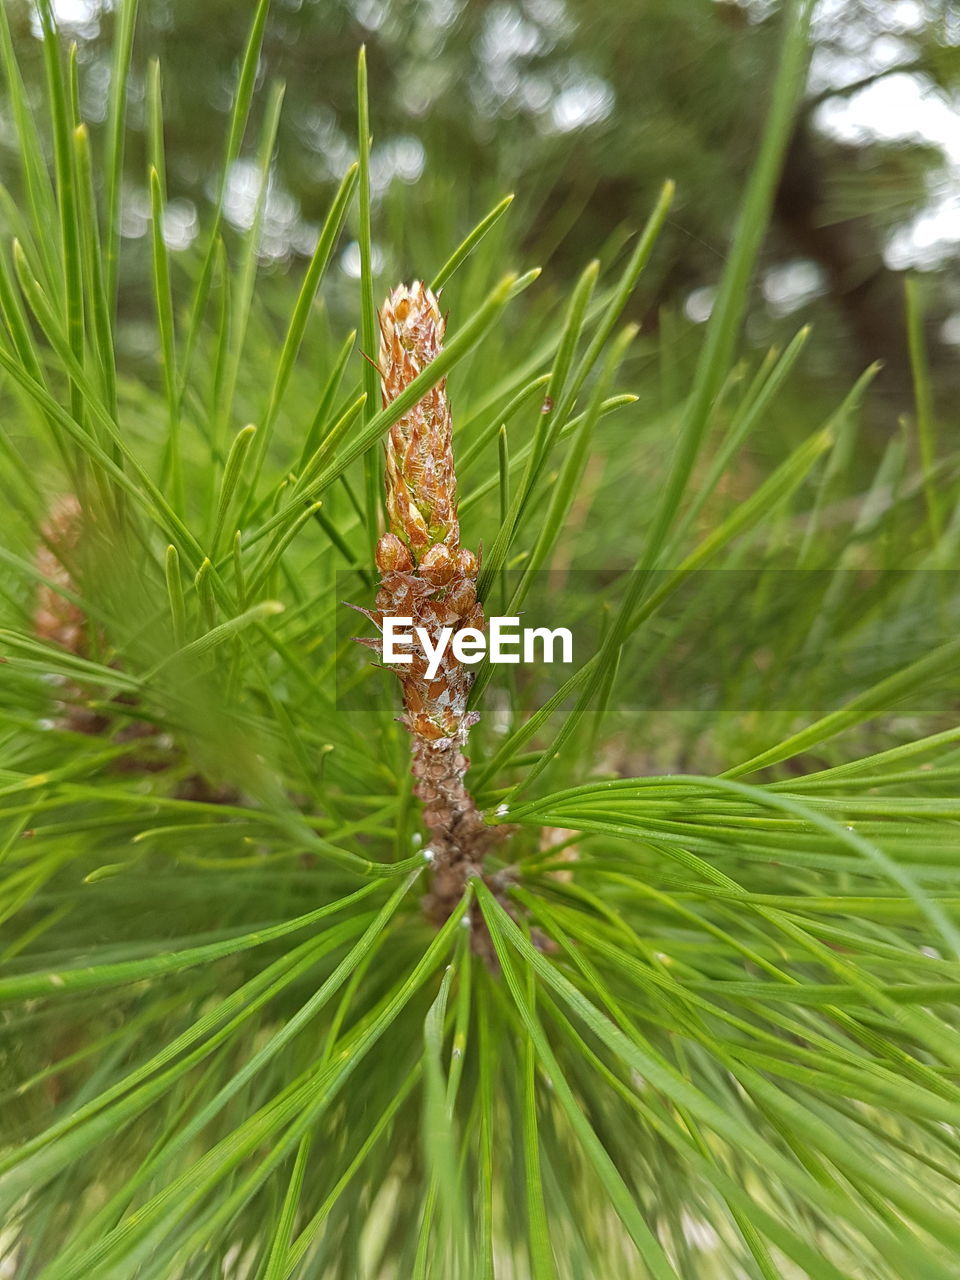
(583, 108)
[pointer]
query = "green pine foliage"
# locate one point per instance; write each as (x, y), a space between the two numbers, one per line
(721, 1037)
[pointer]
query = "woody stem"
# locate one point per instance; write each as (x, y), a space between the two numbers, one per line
(459, 838)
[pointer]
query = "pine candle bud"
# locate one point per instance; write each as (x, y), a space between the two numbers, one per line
(57, 620)
(426, 575)
(421, 482)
